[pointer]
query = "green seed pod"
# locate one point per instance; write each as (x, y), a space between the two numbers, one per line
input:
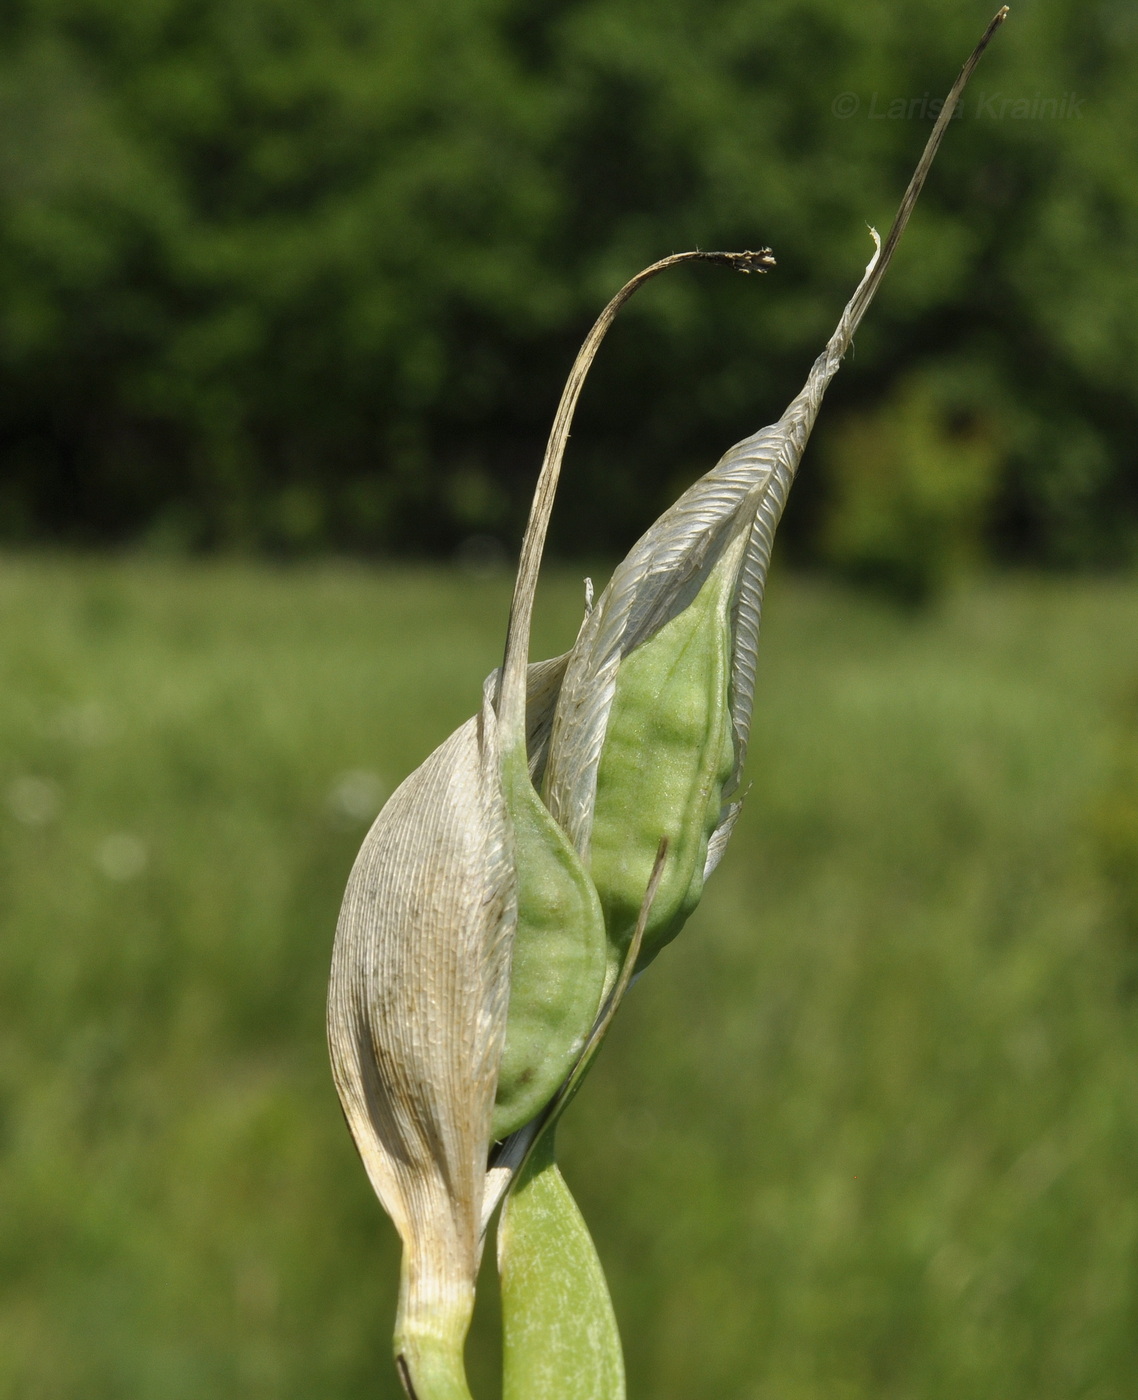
(559, 1335)
(660, 683)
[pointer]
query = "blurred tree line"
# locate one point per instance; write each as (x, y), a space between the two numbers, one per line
(288, 275)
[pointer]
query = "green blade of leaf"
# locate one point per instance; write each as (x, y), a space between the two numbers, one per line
(559, 1333)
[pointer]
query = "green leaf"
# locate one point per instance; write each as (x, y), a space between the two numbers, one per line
(560, 1340)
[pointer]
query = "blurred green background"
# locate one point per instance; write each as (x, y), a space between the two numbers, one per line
(868, 1129)
(291, 275)
(287, 294)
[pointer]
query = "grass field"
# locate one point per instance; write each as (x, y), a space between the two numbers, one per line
(867, 1131)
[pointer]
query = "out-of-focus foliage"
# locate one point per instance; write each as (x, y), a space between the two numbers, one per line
(1114, 832)
(868, 1131)
(912, 486)
(275, 272)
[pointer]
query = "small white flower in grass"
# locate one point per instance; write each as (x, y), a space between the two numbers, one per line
(121, 856)
(357, 795)
(33, 801)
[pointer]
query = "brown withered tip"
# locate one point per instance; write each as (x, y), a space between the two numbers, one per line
(760, 261)
(757, 260)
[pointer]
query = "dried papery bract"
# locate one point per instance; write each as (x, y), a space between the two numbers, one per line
(416, 1022)
(652, 722)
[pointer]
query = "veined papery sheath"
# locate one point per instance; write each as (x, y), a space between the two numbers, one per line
(416, 1024)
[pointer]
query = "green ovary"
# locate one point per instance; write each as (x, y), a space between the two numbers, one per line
(668, 752)
(559, 960)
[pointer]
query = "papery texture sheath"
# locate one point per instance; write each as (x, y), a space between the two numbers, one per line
(416, 1023)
